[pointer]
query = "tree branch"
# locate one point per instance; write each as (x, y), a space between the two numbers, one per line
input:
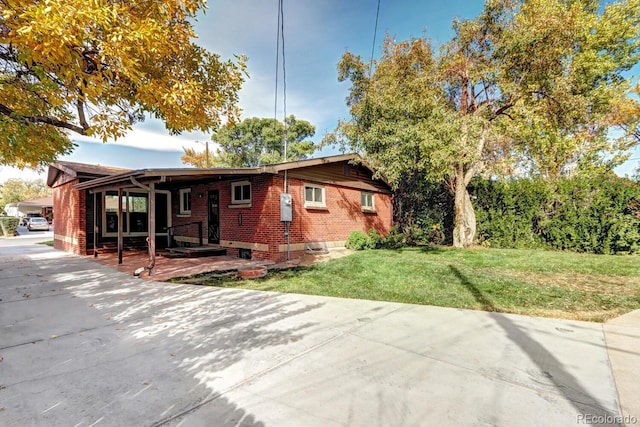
(475, 166)
(502, 110)
(81, 115)
(6, 111)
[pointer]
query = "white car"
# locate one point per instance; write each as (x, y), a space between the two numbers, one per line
(38, 223)
(24, 221)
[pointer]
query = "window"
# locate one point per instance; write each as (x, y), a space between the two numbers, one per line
(366, 200)
(137, 210)
(314, 196)
(111, 212)
(241, 192)
(135, 213)
(185, 201)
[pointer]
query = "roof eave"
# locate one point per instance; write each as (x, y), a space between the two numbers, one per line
(160, 175)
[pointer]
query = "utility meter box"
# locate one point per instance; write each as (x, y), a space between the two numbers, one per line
(286, 210)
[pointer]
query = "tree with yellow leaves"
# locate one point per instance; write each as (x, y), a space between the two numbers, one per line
(97, 67)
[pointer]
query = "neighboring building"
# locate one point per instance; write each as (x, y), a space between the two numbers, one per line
(238, 209)
(42, 206)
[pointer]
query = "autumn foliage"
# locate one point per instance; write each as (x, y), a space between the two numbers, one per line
(97, 67)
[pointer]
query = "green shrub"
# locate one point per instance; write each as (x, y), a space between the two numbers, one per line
(395, 239)
(598, 214)
(508, 213)
(423, 210)
(374, 240)
(8, 225)
(357, 241)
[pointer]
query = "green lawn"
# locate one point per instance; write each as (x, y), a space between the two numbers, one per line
(533, 282)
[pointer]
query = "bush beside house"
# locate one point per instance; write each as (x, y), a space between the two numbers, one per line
(8, 225)
(359, 240)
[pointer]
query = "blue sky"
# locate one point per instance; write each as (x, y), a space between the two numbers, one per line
(317, 33)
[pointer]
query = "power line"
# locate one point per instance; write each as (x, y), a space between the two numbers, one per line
(279, 42)
(365, 113)
(275, 105)
(284, 81)
(375, 33)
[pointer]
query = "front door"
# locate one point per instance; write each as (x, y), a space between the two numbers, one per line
(214, 217)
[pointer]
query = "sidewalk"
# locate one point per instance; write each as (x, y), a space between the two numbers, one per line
(622, 335)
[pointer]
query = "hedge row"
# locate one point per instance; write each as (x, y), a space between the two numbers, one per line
(598, 215)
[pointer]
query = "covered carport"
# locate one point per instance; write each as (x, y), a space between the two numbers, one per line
(42, 206)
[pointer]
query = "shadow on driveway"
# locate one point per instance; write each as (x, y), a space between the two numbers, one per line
(549, 365)
(82, 344)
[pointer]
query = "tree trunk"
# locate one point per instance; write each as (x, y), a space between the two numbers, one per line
(464, 230)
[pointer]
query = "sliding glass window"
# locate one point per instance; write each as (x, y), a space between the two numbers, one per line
(135, 213)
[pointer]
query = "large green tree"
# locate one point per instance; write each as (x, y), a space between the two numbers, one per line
(255, 142)
(567, 60)
(17, 190)
(97, 67)
(523, 77)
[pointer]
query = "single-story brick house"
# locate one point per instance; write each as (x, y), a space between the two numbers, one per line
(247, 211)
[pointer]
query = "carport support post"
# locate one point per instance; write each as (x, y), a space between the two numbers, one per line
(95, 226)
(152, 227)
(120, 226)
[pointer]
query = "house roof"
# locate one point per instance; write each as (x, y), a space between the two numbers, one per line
(61, 172)
(42, 201)
(123, 177)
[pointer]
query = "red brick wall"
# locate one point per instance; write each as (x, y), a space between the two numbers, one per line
(261, 223)
(342, 215)
(69, 223)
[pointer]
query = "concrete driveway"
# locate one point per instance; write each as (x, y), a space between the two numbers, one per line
(84, 345)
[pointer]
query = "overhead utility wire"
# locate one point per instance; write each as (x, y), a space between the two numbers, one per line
(275, 106)
(375, 33)
(284, 80)
(373, 49)
(279, 42)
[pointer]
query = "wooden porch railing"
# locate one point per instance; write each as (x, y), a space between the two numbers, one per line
(171, 230)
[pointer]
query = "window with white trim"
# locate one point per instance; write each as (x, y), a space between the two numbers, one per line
(366, 200)
(314, 196)
(240, 192)
(185, 201)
